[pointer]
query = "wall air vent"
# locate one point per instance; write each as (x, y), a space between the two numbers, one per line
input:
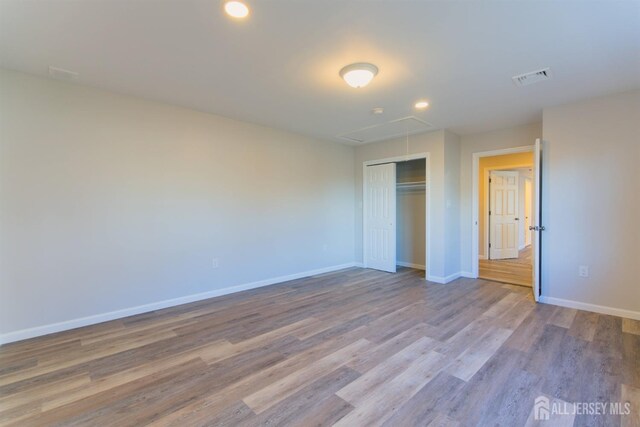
(393, 129)
(527, 79)
(61, 73)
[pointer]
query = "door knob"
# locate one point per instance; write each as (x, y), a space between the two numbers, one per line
(517, 219)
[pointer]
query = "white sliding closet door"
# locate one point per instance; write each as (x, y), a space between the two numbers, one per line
(380, 217)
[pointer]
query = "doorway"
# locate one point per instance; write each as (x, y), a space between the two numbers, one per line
(507, 250)
(506, 202)
(395, 213)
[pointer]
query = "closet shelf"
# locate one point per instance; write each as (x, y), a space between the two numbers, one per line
(415, 185)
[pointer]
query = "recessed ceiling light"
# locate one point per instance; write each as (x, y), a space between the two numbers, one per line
(236, 9)
(377, 110)
(359, 75)
(421, 105)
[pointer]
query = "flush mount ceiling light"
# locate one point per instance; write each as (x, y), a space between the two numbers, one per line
(359, 75)
(421, 105)
(236, 9)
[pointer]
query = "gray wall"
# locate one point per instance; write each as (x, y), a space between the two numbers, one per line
(109, 202)
(451, 208)
(591, 201)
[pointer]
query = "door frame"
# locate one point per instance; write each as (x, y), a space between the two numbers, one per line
(427, 176)
(529, 212)
(475, 203)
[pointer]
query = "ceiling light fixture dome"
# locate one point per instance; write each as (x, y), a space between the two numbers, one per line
(421, 105)
(236, 9)
(359, 75)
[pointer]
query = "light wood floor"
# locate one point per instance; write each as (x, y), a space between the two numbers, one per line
(352, 348)
(516, 271)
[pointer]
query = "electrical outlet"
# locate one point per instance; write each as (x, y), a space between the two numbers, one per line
(215, 263)
(583, 271)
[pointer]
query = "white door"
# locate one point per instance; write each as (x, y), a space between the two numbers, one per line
(380, 217)
(527, 211)
(503, 215)
(536, 225)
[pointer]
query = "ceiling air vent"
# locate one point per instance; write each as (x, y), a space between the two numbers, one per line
(527, 79)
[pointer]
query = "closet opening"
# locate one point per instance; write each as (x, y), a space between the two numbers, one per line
(411, 212)
(395, 213)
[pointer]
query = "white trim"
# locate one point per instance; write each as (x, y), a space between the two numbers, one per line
(410, 265)
(468, 275)
(37, 331)
(629, 314)
(476, 197)
(445, 280)
(482, 256)
(396, 159)
(427, 172)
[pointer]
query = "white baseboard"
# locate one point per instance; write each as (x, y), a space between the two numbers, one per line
(444, 279)
(468, 275)
(410, 265)
(482, 256)
(118, 314)
(602, 309)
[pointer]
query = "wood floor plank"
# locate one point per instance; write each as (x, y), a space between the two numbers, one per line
(442, 420)
(471, 360)
(384, 401)
(265, 398)
(584, 325)
(313, 404)
(386, 349)
(555, 419)
(631, 326)
(391, 367)
(423, 408)
(631, 359)
(353, 347)
(477, 397)
(61, 362)
(630, 395)
(563, 317)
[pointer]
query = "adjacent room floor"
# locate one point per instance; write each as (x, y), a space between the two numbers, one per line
(355, 347)
(516, 271)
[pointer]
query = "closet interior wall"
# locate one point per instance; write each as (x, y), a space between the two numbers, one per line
(411, 213)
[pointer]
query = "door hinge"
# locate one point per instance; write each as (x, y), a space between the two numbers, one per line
(489, 212)
(489, 244)
(489, 180)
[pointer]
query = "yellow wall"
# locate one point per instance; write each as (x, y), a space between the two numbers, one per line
(517, 160)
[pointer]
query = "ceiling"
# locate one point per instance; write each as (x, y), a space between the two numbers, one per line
(280, 67)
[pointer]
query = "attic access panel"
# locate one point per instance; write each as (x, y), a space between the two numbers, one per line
(393, 129)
